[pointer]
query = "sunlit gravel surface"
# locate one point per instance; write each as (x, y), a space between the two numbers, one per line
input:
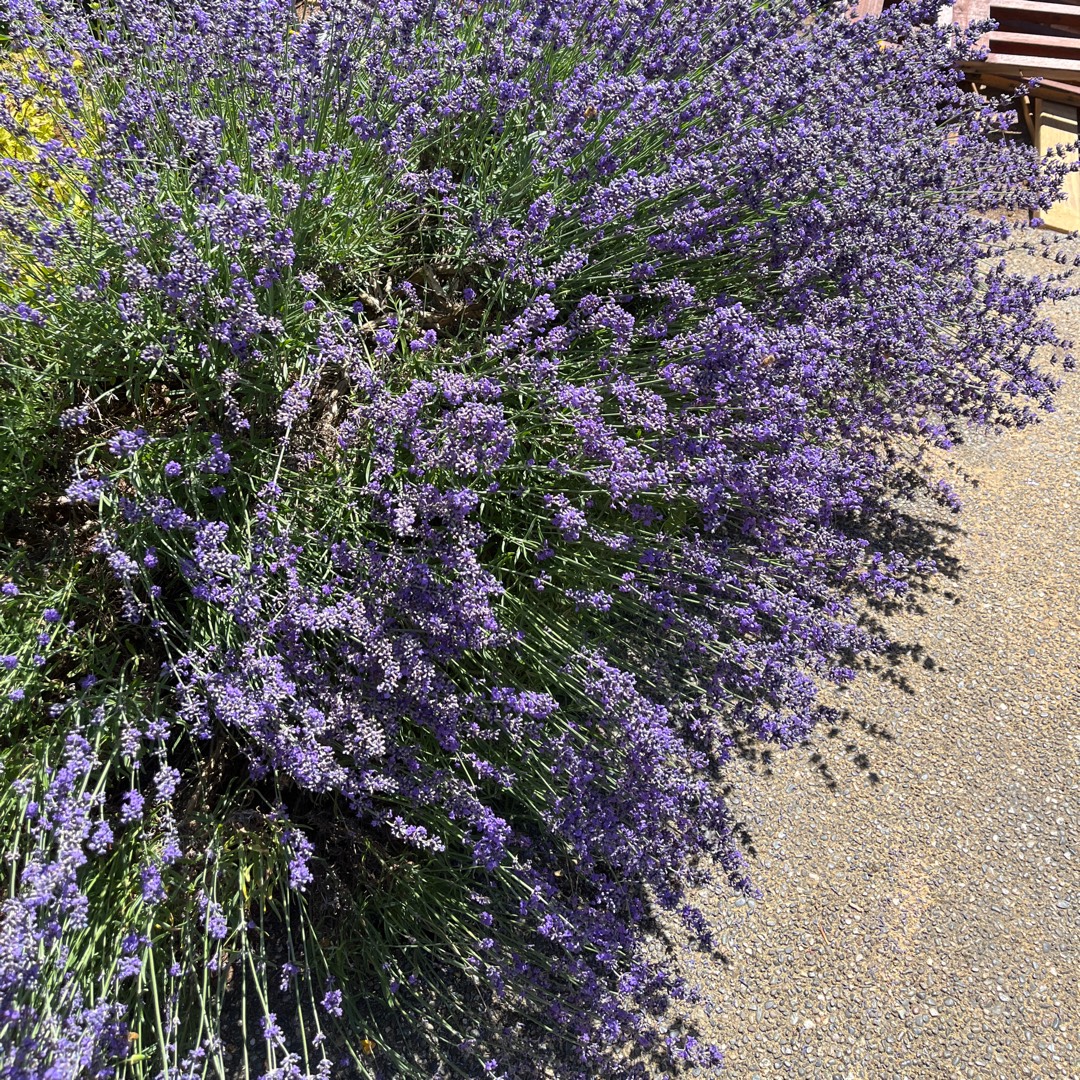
(920, 864)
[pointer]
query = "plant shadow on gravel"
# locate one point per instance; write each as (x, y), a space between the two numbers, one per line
(923, 531)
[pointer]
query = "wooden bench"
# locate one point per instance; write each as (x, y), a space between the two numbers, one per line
(1033, 39)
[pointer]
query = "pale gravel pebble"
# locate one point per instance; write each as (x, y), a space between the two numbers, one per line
(920, 919)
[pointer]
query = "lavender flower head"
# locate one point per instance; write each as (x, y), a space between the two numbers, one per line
(125, 443)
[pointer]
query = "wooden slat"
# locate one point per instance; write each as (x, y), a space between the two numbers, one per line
(1060, 16)
(1057, 125)
(1021, 22)
(1058, 91)
(1025, 109)
(1048, 89)
(1037, 11)
(1028, 67)
(969, 11)
(1026, 44)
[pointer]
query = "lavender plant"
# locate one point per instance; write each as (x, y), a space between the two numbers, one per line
(454, 426)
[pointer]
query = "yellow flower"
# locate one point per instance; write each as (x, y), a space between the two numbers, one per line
(43, 115)
(40, 116)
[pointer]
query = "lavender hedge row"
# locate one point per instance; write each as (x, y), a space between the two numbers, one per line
(434, 433)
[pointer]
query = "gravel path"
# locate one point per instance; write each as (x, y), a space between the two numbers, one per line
(920, 863)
